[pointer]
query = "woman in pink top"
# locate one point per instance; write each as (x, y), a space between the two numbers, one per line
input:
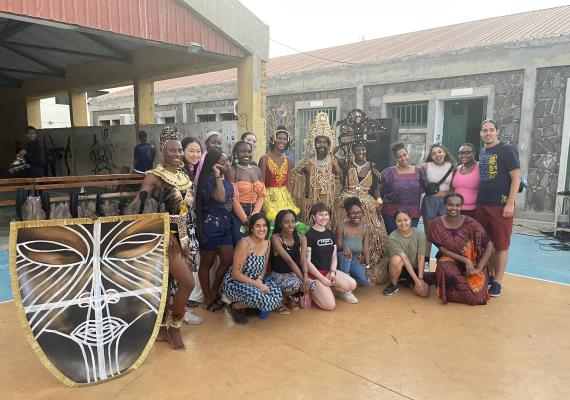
(466, 179)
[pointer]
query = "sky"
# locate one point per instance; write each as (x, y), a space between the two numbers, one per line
(315, 24)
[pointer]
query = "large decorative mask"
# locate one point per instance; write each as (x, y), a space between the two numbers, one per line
(90, 294)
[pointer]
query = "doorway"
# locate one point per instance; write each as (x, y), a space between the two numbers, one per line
(461, 123)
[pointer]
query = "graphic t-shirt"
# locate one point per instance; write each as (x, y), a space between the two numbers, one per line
(495, 163)
(322, 247)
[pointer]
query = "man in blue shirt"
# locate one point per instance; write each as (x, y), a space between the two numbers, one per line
(144, 154)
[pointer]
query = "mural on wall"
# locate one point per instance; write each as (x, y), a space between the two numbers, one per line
(280, 116)
(101, 153)
(57, 157)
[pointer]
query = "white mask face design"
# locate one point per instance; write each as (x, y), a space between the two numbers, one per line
(91, 292)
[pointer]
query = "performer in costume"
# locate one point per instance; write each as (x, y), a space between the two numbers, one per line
(275, 169)
(174, 188)
(317, 179)
(361, 181)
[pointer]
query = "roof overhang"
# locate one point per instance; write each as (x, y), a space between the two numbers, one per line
(45, 50)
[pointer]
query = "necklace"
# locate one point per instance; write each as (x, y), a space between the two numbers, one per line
(360, 167)
(248, 166)
(289, 248)
(176, 179)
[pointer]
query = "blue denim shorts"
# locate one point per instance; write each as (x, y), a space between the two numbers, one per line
(432, 206)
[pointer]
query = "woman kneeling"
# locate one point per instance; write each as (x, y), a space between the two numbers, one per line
(288, 256)
(243, 283)
(464, 250)
(322, 262)
(407, 247)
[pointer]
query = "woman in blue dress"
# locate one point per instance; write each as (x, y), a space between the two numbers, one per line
(243, 284)
(214, 199)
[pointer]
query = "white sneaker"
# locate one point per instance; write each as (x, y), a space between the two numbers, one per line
(349, 297)
(192, 319)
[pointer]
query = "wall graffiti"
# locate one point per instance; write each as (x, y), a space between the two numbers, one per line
(101, 153)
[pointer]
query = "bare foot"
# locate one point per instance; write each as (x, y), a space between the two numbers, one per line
(175, 338)
(162, 334)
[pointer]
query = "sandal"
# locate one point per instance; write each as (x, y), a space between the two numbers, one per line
(283, 310)
(293, 305)
(237, 315)
(215, 307)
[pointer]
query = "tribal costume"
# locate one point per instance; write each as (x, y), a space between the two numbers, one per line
(359, 187)
(317, 180)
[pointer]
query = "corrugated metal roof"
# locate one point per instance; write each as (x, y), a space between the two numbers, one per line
(539, 24)
(166, 21)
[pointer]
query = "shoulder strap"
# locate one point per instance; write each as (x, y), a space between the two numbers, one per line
(449, 171)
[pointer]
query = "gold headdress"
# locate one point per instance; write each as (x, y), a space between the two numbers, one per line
(320, 128)
(168, 133)
(280, 129)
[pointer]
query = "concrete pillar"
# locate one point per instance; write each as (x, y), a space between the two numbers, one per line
(78, 108)
(144, 102)
(34, 113)
(525, 131)
(252, 92)
(360, 97)
(564, 171)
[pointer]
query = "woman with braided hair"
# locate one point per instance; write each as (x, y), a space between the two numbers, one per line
(166, 182)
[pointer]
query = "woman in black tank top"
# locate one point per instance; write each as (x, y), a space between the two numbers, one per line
(288, 252)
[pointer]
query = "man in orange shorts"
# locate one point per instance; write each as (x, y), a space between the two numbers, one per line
(499, 180)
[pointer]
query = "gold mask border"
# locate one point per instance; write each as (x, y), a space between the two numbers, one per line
(16, 225)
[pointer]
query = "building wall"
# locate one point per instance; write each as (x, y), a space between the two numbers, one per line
(546, 140)
(506, 89)
(96, 114)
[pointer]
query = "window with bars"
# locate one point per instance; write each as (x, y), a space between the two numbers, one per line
(306, 117)
(206, 117)
(410, 115)
(227, 117)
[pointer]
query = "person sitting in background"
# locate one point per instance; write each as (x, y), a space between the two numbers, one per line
(249, 190)
(464, 251)
(244, 284)
(407, 247)
(288, 260)
(144, 154)
(322, 262)
(33, 154)
(353, 238)
(466, 179)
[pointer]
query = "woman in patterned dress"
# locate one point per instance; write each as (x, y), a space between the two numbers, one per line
(464, 251)
(275, 169)
(243, 284)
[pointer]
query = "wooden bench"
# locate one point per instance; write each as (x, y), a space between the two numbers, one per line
(108, 186)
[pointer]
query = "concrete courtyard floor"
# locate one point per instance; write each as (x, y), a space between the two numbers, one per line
(399, 347)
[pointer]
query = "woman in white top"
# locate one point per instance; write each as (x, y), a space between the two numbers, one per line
(438, 167)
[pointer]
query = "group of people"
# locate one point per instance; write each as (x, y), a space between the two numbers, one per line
(273, 236)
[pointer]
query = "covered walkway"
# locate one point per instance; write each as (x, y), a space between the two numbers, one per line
(69, 48)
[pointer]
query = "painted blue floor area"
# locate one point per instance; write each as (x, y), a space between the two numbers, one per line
(5, 287)
(530, 256)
